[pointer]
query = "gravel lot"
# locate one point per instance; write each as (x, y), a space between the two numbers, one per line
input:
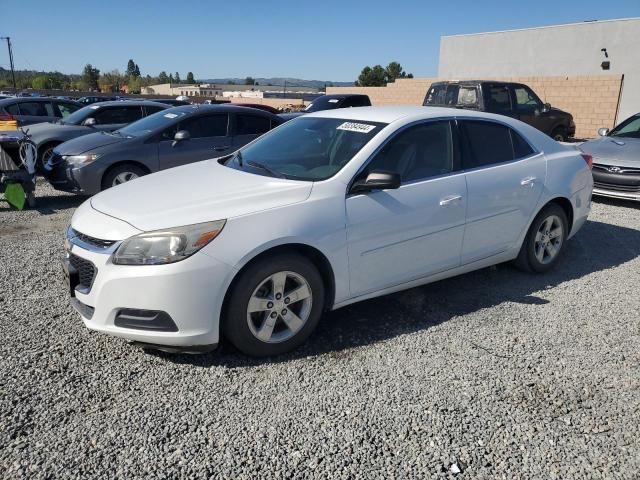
(496, 374)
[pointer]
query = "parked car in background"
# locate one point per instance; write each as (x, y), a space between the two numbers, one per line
(167, 139)
(99, 117)
(331, 102)
(327, 210)
(504, 98)
(616, 160)
(259, 106)
(30, 110)
(94, 99)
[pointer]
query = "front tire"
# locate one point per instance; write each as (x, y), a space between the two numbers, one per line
(559, 134)
(545, 240)
(121, 174)
(274, 306)
(44, 154)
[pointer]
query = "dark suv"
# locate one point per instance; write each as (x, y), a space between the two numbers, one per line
(504, 98)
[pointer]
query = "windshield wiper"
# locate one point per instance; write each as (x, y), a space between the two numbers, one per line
(239, 158)
(270, 171)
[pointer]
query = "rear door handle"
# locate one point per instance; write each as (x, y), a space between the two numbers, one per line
(449, 200)
(222, 149)
(528, 181)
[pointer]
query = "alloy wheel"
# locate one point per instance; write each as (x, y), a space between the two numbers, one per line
(279, 307)
(123, 178)
(549, 238)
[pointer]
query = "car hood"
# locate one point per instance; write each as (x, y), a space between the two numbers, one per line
(622, 152)
(88, 143)
(41, 132)
(200, 192)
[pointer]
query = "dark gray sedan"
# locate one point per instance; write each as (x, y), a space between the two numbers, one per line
(166, 139)
(616, 160)
(30, 110)
(99, 117)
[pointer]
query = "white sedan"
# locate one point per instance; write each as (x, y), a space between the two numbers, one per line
(326, 210)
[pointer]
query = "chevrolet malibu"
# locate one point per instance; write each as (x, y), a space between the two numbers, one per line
(326, 210)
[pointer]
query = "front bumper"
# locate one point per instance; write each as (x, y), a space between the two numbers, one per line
(616, 182)
(73, 178)
(190, 292)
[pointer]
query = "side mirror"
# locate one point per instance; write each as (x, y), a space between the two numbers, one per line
(377, 180)
(89, 122)
(603, 132)
(181, 136)
(546, 107)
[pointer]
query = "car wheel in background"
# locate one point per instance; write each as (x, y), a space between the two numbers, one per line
(44, 154)
(274, 305)
(545, 240)
(121, 174)
(559, 134)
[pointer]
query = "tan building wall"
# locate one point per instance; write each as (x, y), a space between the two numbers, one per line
(272, 102)
(591, 99)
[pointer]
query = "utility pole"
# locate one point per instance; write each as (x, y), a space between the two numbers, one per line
(284, 92)
(13, 73)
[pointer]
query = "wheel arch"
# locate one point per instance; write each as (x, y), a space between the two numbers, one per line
(319, 260)
(562, 202)
(110, 168)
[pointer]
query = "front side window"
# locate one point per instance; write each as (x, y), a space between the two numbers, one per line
(66, 109)
(488, 143)
(630, 128)
(116, 115)
(418, 153)
(251, 124)
(526, 100)
(307, 148)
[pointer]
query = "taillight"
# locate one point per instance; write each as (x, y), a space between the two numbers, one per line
(5, 117)
(588, 159)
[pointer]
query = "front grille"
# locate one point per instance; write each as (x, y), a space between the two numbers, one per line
(86, 271)
(616, 187)
(95, 242)
(621, 171)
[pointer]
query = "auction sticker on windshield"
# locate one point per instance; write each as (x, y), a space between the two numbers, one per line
(356, 127)
(170, 115)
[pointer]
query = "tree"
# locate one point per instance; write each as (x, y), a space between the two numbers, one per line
(111, 81)
(133, 84)
(170, 78)
(176, 77)
(190, 78)
(379, 77)
(43, 82)
(131, 68)
(372, 77)
(163, 78)
(90, 76)
(136, 71)
(249, 81)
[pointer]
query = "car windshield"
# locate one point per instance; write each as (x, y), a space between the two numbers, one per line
(306, 148)
(77, 117)
(323, 103)
(630, 128)
(152, 123)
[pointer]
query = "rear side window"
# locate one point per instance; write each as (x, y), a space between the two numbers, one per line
(251, 125)
(37, 109)
(152, 109)
(206, 126)
(487, 143)
(12, 109)
(116, 115)
(497, 99)
(436, 95)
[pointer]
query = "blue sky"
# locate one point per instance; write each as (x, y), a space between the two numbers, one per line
(324, 40)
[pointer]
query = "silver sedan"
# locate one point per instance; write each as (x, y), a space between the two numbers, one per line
(616, 160)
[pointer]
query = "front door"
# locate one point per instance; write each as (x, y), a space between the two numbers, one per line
(504, 177)
(395, 236)
(530, 109)
(208, 139)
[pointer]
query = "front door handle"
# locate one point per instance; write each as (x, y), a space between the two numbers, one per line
(529, 181)
(449, 200)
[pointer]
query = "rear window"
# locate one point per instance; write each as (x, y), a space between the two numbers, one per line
(452, 95)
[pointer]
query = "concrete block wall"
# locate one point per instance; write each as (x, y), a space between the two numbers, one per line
(591, 99)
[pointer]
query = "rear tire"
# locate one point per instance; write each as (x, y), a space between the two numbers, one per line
(274, 305)
(559, 134)
(545, 240)
(121, 174)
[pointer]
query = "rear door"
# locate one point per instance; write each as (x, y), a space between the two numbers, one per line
(115, 117)
(247, 127)
(209, 139)
(505, 177)
(36, 112)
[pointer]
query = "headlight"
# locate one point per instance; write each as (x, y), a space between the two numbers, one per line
(84, 159)
(166, 246)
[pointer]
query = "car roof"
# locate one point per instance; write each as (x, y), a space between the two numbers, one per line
(11, 100)
(120, 103)
(342, 95)
(223, 108)
(389, 114)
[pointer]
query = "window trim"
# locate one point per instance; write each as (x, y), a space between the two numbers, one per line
(535, 151)
(455, 151)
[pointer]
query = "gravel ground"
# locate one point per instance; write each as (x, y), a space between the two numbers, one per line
(495, 374)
